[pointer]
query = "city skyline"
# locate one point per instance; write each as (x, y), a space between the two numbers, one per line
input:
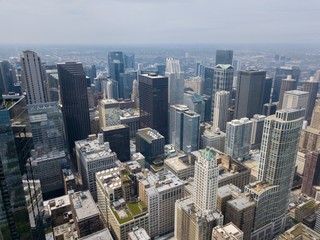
(143, 22)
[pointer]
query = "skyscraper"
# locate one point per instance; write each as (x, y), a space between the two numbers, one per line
(126, 82)
(311, 173)
(33, 78)
(312, 87)
(109, 112)
(206, 180)
(287, 84)
(250, 91)
(208, 75)
(74, 100)
(153, 92)
(278, 154)
(282, 73)
(238, 138)
(7, 77)
(295, 99)
(223, 80)
(257, 129)
(14, 223)
(220, 110)
(224, 57)
(116, 68)
(176, 81)
(129, 61)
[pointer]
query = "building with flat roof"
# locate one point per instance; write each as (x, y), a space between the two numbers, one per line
(103, 234)
(213, 138)
(160, 191)
(181, 166)
(299, 231)
(295, 99)
(257, 129)
(85, 213)
(131, 117)
(150, 143)
(118, 137)
(227, 232)
(138, 234)
(109, 112)
(93, 155)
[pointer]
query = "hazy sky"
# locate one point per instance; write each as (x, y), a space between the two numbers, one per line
(159, 21)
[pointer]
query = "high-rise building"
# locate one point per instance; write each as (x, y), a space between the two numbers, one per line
(74, 100)
(129, 60)
(118, 137)
(223, 80)
(93, 155)
(295, 99)
(14, 219)
(310, 137)
(250, 91)
(220, 110)
(224, 57)
(311, 173)
(176, 81)
(33, 77)
(208, 75)
(267, 90)
(195, 103)
(278, 154)
(238, 138)
(153, 97)
(227, 232)
(126, 82)
(7, 77)
(184, 128)
(47, 127)
(282, 73)
(287, 84)
(135, 93)
(317, 225)
(195, 217)
(116, 68)
(312, 87)
(206, 180)
(52, 86)
(109, 112)
(257, 129)
(160, 192)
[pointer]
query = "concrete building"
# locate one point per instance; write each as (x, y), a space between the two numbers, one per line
(287, 84)
(257, 129)
(213, 138)
(118, 137)
(176, 124)
(227, 232)
(276, 172)
(176, 81)
(317, 225)
(311, 86)
(311, 173)
(310, 137)
(85, 213)
(295, 99)
(181, 166)
(192, 223)
(237, 207)
(69, 181)
(223, 80)
(93, 155)
(150, 143)
(138, 234)
(109, 112)
(304, 210)
(33, 79)
(195, 103)
(102, 234)
(160, 192)
(153, 98)
(120, 210)
(238, 138)
(250, 93)
(220, 110)
(299, 231)
(131, 117)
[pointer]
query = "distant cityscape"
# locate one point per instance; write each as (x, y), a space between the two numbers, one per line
(160, 142)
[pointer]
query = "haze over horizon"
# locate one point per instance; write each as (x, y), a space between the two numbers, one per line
(159, 22)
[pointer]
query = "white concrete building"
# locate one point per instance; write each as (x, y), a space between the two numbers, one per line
(220, 110)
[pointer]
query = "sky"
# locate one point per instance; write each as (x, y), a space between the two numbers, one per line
(159, 21)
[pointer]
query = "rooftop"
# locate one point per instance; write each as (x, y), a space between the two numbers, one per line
(83, 205)
(149, 134)
(114, 127)
(139, 234)
(129, 211)
(100, 235)
(176, 164)
(241, 203)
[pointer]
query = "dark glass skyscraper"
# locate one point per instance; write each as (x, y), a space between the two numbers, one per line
(116, 68)
(7, 77)
(250, 92)
(224, 57)
(153, 92)
(74, 99)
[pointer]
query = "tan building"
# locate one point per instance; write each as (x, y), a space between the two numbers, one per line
(117, 203)
(299, 231)
(310, 137)
(227, 232)
(138, 234)
(181, 166)
(194, 224)
(304, 210)
(85, 213)
(60, 210)
(237, 207)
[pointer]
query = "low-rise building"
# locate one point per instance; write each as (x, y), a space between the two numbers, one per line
(181, 166)
(227, 232)
(138, 234)
(299, 231)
